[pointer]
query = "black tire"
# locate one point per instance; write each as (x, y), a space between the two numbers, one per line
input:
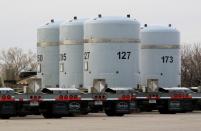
(109, 113)
(114, 114)
(70, 115)
(84, 113)
(47, 115)
(57, 116)
(162, 111)
(22, 115)
(5, 117)
(148, 110)
(119, 114)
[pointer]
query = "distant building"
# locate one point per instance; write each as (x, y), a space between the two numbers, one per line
(30, 84)
(1, 82)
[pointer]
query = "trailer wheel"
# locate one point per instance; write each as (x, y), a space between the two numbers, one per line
(113, 113)
(22, 115)
(148, 110)
(47, 115)
(71, 115)
(5, 117)
(57, 116)
(119, 114)
(85, 113)
(162, 111)
(109, 113)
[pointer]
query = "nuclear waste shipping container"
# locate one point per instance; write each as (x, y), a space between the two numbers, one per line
(111, 53)
(71, 53)
(47, 54)
(160, 56)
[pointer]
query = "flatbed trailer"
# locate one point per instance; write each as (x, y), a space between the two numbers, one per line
(63, 104)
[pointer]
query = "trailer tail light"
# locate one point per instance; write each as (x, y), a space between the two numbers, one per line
(6, 98)
(39, 97)
(21, 99)
(35, 98)
(100, 97)
(127, 97)
(68, 98)
(153, 97)
(181, 96)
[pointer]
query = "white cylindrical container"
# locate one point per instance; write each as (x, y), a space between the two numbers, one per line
(160, 56)
(111, 52)
(48, 54)
(71, 53)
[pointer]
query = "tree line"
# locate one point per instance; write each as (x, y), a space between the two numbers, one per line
(191, 65)
(15, 60)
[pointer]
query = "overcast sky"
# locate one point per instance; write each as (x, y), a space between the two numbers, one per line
(19, 19)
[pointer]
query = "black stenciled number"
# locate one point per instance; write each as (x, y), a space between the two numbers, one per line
(63, 57)
(86, 55)
(124, 55)
(171, 59)
(39, 58)
(167, 59)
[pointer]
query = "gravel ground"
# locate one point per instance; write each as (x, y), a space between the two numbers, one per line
(100, 122)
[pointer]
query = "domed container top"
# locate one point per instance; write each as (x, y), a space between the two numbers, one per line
(71, 53)
(157, 35)
(117, 29)
(48, 34)
(72, 31)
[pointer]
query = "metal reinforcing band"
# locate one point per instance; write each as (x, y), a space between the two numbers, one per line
(160, 46)
(111, 40)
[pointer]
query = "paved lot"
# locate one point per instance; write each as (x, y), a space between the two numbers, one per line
(99, 122)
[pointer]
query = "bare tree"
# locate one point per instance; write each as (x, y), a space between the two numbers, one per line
(15, 60)
(191, 65)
